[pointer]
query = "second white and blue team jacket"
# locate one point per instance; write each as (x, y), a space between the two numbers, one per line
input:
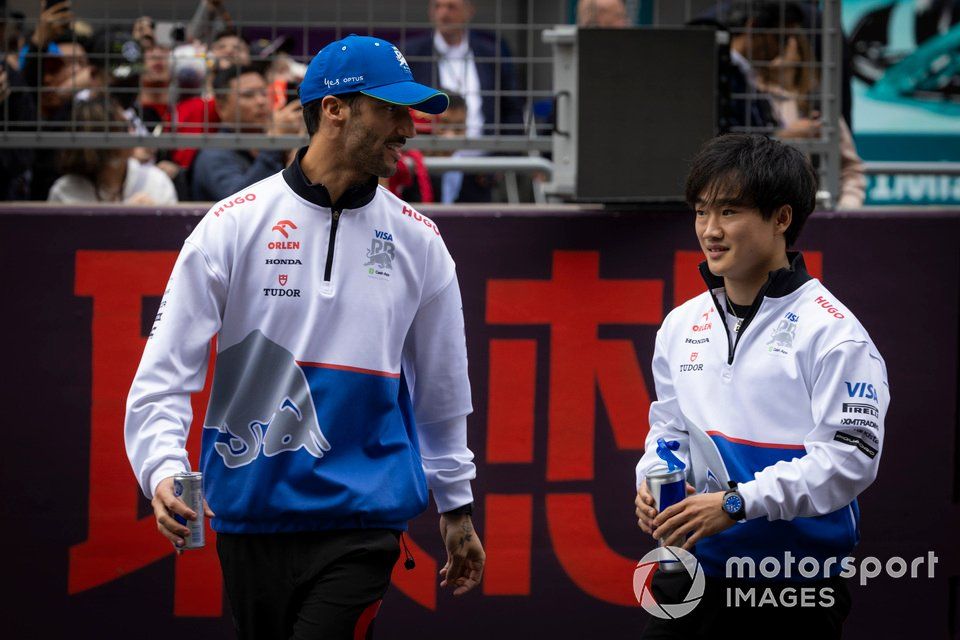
(340, 391)
(792, 409)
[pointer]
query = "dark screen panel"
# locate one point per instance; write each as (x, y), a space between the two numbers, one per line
(647, 102)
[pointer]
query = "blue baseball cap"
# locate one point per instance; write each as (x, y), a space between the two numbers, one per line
(372, 66)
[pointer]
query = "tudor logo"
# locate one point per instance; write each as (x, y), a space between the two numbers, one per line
(282, 225)
(693, 356)
(283, 279)
(281, 293)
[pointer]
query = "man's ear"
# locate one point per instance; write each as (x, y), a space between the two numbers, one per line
(783, 217)
(334, 109)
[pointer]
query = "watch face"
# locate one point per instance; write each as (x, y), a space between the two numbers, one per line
(732, 503)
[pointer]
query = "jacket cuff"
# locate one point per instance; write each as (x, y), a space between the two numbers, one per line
(453, 495)
(752, 502)
(167, 469)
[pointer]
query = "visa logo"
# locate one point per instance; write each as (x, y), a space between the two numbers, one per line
(861, 390)
(383, 235)
(792, 317)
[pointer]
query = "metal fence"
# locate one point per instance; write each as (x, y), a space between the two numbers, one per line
(110, 50)
(154, 57)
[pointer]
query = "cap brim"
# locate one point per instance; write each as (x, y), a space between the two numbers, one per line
(411, 94)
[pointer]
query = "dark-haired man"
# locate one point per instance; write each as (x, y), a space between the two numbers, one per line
(777, 397)
(243, 105)
(341, 392)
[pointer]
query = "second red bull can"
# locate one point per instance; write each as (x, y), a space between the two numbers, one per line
(188, 486)
(668, 488)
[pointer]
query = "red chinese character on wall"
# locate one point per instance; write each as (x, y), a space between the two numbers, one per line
(575, 302)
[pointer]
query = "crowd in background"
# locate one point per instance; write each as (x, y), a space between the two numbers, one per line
(209, 78)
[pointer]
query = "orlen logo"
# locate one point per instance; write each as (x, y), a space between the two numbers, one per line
(250, 197)
(293, 245)
(832, 310)
(707, 325)
(282, 225)
(407, 211)
(861, 390)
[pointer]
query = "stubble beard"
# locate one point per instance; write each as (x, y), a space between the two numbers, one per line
(367, 152)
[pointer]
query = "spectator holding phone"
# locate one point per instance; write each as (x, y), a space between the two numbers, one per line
(243, 106)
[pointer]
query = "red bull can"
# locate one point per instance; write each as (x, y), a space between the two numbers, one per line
(668, 488)
(188, 486)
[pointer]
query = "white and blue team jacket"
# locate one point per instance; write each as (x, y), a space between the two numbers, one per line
(792, 409)
(340, 392)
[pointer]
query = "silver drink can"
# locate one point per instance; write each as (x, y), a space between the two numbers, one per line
(668, 488)
(189, 487)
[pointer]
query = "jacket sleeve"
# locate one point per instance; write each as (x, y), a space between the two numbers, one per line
(853, 180)
(173, 366)
(218, 174)
(435, 369)
(850, 396)
(666, 419)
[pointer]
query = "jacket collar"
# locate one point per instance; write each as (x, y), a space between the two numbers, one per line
(780, 283)
(356, 196)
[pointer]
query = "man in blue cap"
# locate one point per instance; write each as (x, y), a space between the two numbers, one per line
(341, 392)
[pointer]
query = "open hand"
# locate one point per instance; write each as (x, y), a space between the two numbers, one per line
(465, 555)
(53, 22)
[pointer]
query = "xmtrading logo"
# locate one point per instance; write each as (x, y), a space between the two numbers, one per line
(643, 577)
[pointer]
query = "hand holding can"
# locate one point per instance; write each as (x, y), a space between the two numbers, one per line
(172, 513)
(189, 488)
(666, 484)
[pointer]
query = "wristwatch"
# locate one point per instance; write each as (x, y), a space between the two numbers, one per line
(733, 505)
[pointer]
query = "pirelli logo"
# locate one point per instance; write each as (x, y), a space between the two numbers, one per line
(854, 441)
(861, 408)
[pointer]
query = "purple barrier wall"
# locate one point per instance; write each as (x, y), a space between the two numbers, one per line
(561, 310)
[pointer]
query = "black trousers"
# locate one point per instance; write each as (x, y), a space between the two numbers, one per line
(743, 609)
(307, 586)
